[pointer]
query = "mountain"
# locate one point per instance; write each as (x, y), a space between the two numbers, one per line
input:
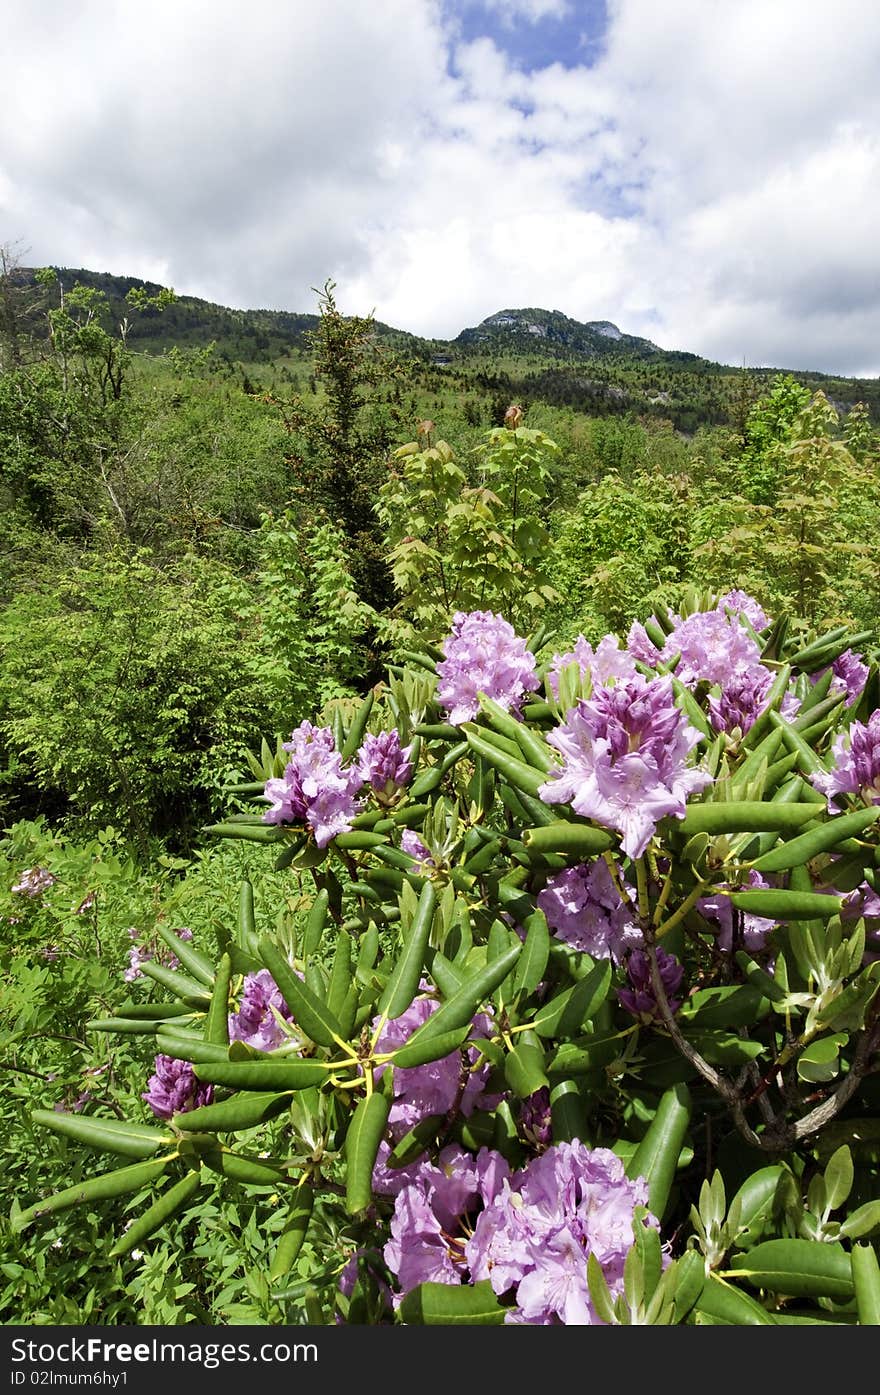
(551, 332)
(525, 354)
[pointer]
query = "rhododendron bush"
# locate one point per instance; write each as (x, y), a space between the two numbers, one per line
(579, 1024)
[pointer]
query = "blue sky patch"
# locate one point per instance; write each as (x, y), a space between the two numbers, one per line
(574, 40)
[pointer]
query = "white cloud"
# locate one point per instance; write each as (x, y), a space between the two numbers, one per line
(711, 181)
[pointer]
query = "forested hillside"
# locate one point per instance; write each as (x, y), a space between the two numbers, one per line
(222, 527)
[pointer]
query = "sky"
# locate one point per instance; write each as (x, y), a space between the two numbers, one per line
(705, 173)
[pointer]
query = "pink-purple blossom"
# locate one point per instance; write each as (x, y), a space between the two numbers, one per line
(456, 1083)
(483, 654)
(173, 1088)
(607, 663)
(625, 756)
(256, 1021)
(713, 647)
(384, 764)
(530, 1233)
(849, 675)
(741, 603)
(856, 767)
(640, 998)
(584, 908)
(752, 930)
(34, 882)
(315, 788)
(412, 845)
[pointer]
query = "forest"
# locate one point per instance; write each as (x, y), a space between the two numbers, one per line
(409, 594)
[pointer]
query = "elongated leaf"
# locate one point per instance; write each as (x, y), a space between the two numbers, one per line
(294, 1233)
(217, 1020)
(461, 1007)
(192, 959)
(809, 845)
(249, 1171)
(244, 1112)
(340, 976)
(110, 1184)
(110, 1135)
(533, 960)
(452, 1305)
(169, 1204)
(787, 905)
(263, 1075)
(356, 731)
(520, 775)
(798, 1268)
(191, 1049)
(756, 1203)
(656, 1157)
(404, 981)
(315, 923)
(579, 839)
(189, 990)
(311, 1014)
(866, 1282)
(431, 1048)
(744, 816)
(524, 1066)
(729, 1305)
(361, 1146)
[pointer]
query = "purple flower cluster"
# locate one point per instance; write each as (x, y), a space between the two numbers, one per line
(529, 1233)
(624, 759)
(714, 648)
(173, 1088)
(584, 908)
(754, 929)
(856, 768)
(412, 845)
(256, 1021)
(34, 882)
(741, 603)
(640, 998)
(604, 665)
(315, 787)
(454, 1083)
(483, 654)
(384, 764)
(849, 675)
(536, 1119)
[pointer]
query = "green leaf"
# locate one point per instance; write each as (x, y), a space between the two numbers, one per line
(865, 1220)
(787, 905)
(430, 1049)
(656, 1157)
(361, 1147)
(311, 1014)
(578, 839)
(451, 1305)
(756, 1203)
(866, 1282)
(242, 1112)
(294, 1233)
(809, 845)
(315, 923)
(460, 1008)
(743, 816)
(110, 1135)
(533, 960)
(729, 1305)
(169, 1204)
(839, 1177)
(524, 1066)
(797, 1268)
(358, 727)
(263, 1075)
(110, 1184)
(189, 990)
(217, 1020)
(404, 981)
(192, 959)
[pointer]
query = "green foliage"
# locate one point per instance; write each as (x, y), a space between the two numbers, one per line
(461, 545)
